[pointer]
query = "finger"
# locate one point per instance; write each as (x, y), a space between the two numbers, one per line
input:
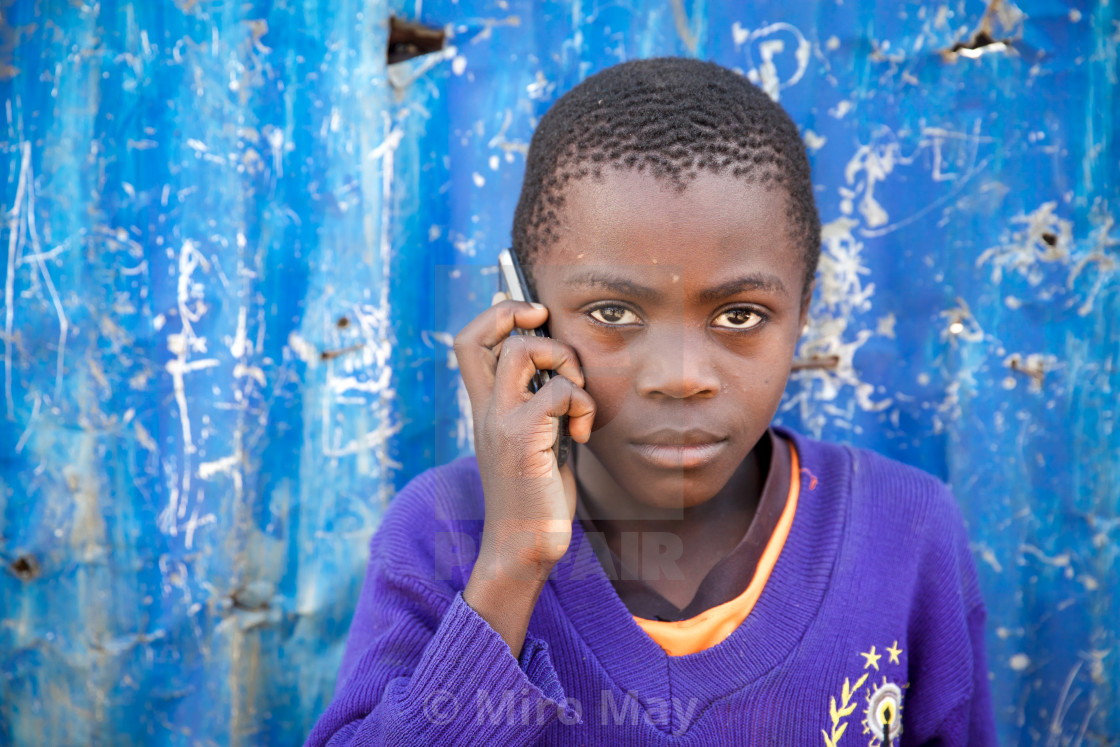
(497, 322)
(522, 356)
(478, 345)
(546, 354)
(497, 298)
(561, 396)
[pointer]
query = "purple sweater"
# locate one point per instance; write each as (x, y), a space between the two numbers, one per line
(872, 611)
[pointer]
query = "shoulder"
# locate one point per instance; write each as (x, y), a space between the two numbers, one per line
(895, 510)
(923, 506)
(431, 526)
(876, 483)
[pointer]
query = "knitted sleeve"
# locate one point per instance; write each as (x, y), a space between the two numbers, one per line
(951, 632)
(981, 718)
(423, 668)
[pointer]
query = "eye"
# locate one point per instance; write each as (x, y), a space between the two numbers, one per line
(613, 315)
(739, 319)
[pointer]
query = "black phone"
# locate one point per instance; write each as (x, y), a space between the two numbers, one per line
(513, 282)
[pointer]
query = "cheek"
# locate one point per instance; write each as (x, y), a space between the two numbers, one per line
(608, 379)
(609, 386)
(761, 372)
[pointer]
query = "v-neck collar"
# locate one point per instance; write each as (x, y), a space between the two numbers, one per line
(780, 618)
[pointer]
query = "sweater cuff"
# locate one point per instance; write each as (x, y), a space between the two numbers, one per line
(536, 663)
(467, 682)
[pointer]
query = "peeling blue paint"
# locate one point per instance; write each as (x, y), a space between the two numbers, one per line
(236, 246)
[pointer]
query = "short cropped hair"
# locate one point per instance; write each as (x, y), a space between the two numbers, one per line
(672, 117)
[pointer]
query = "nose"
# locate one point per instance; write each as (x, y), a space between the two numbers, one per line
(677, 363)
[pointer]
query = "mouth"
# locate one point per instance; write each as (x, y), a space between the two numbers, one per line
(679, 450)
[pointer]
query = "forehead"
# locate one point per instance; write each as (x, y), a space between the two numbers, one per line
(717, 223)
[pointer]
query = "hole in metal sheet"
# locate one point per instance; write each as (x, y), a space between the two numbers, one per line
(1033, 366)
(981, 43)
(985, 40)
(253, 596)
(408, 39)
(26, 567)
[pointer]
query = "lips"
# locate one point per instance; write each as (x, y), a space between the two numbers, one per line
(679, 449)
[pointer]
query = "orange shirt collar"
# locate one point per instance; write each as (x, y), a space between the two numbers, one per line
(711, 626)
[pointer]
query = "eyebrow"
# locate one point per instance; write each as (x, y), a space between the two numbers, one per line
(754, 281)
(623, 286)
(615, 284)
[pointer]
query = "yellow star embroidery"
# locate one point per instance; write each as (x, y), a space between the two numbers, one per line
(872, 659)
(894, 651)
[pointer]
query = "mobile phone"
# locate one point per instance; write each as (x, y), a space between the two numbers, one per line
(513, 281)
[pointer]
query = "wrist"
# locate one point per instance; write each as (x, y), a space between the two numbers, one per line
(504, 602)
(521, 546)
(511, 570)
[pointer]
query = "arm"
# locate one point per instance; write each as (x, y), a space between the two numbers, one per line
(955, 638)
(529, 499)
(971, 722)
(412, 673)
(981, 718)
(434, 665)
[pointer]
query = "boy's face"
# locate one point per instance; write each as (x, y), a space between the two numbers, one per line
(685, 309)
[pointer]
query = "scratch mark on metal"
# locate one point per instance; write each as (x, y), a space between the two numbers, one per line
(764, 73)
(680, 19)
(14, 228)
(1046, 238)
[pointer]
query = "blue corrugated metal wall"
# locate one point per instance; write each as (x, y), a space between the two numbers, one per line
(237, 244)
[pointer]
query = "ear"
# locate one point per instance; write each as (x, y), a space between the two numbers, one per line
(805, 301)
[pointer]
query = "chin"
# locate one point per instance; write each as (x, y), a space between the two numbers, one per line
(680, 491)
(672, 488)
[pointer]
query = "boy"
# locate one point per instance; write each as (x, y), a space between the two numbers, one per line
(692, 575)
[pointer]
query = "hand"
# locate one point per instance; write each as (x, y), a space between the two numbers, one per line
(530, 502)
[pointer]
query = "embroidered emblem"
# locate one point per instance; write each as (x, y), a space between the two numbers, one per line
(881, 719)
(882, 700)
(872, 659)
(839, 715)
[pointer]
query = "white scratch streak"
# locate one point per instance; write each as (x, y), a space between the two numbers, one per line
(30, 423)
(9, 292)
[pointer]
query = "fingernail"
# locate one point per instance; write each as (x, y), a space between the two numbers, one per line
(536, 305)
